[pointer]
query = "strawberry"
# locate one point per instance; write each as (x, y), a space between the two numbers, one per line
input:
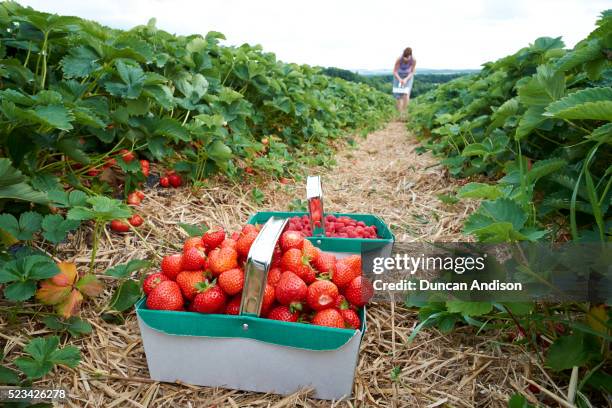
(193, 242)
(119, 226)
(249, 170)
(175, 180)
(145, 167)
(171, 265)
(294, 261)
(233, 306)
(165, 296)
(290, 290)
(232, 281)
(310, 252)
(284, 180)
(343, 275)
(353, 262)
(228, 243)
(140, 194)
(243, 244)
(341, 303)
(133, 199)
(268, 299)
(322, 294)
(127, 155)
(328, 317)
(291, 239)
(164, 182)
(210, 299)
(249, 228)
(93, 172)
(325, 263)
(187, 281)
(222, 259)
(284, 314)
(274, 275)
(213, 238)
(152, 281)
(193, 259)
(110, 162)
(359, 291)
(351, 318)
(135, 220)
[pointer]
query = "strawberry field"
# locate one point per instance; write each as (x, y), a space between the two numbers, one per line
(131, 161)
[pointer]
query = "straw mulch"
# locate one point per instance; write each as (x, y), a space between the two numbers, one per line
(382, 175)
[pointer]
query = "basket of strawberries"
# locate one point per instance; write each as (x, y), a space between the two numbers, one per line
(269, 308)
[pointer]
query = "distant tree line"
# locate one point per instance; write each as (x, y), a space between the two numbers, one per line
(422, 82)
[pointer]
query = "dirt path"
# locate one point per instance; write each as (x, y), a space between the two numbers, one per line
(383, 175)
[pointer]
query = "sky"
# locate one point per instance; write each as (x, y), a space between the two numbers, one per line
(358, 34)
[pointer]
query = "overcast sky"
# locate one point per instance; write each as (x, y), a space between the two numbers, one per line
(357, 34)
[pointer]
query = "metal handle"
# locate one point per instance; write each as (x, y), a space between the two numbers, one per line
(314, 195)
(258, 264)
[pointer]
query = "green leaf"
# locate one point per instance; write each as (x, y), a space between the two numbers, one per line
(53, 116)
(103, 209)
(543, 168)
(480, 190)
(518, 401)
(44, 354)
(20, 291)
(132, 77)
(13, 185)
(125, 270)
(8, 376)
(81, 62)
(193, 230)
(74, 325)
(531, 119)
(170, 128)
(589, 51)
(125, 295)
(505, 210)
(602, 134)
(62, 199)
(218, 151)
(574, 350)
(590, 103)
(469, 308)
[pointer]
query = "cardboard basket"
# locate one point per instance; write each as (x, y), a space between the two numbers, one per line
(247, 352)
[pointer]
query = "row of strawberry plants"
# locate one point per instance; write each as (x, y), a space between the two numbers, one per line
(533, 133)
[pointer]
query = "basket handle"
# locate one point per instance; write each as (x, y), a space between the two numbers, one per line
(258, 264)
(314, 195)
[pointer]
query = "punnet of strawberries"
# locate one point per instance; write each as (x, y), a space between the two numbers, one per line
(337, 227)
(304, 284)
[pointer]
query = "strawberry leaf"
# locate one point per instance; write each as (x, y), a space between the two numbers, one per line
(71, 305)
(55, 227)
(24, 230)
(126, 295)
(75, 325)
(574, 350)
(125, 270)
(24, 272)
(8, 376)
(89, 285)
(44, 355)
(193, 230)
(51, 294)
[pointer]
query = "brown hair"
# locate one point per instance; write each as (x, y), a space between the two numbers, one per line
(407, 53)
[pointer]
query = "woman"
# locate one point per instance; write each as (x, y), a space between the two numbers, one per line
(403, 76)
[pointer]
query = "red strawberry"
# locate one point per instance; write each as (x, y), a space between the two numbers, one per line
(232, 281)
(283, 313)
(341, 303)
(268, 299)
(210, 299)
(325, 263)
(328, 317)
(194, 259)
(249, 228)
(359, 291)
(353, 262)
(343, 275)
(109, 163)
(351, 318)
(243, 244)
(175, 180)
(164, 182)
(233, 306)
(222, 259)
(165, 296)
(145, 167)
(291, 239)
(140, 194)
(187, 281)
(290, 289)
(171, 265)
(294, 261)
(193, 242)
(310, 252)
(228, 243)
(274, 275)
(119, 226)
(322, 294)
(152, 281)
(133, 199)
(93, 172)
(127, 155)
(135, 220)
(213, 238)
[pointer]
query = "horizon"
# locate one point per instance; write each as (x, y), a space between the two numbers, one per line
(472, 34)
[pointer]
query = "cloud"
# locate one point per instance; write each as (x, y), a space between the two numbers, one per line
(357, 34)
